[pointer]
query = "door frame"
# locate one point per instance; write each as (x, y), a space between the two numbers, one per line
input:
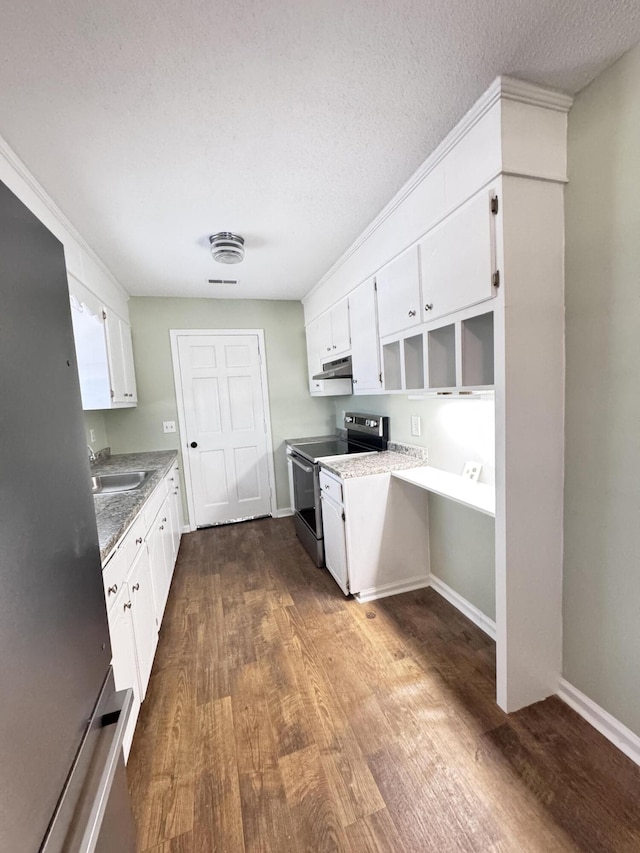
(174, 334)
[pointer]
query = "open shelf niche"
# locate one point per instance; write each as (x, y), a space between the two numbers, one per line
(442, 357)
(414, 362)
(477, 350)
(391, 366)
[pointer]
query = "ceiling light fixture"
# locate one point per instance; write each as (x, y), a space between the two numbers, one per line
(227, 248)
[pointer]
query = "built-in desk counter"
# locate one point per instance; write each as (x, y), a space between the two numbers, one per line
(480, 496)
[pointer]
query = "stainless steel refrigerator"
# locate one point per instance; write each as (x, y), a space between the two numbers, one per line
(62, 777)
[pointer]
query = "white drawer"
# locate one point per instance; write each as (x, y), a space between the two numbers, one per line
(114, 575)
(132, 542)
(330, 486)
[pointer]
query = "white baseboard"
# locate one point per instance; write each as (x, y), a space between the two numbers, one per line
(282, 513)
(602, 720)
(418, 582)
(470, 611)
(187, 528)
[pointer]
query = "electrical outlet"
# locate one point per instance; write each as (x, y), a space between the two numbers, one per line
(416, 426)
(92, 435)
(169, 426)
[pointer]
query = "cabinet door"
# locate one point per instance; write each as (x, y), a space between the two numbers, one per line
(91, 354)
(458, 259)
(143, 614)
(120, 350)
(175, 510)
(167, 535)
(340, 336)
(157, 563)
(399, 294)
(335, 546)
(127, 357)
(123, 644)
(365, 353)
(116, 358)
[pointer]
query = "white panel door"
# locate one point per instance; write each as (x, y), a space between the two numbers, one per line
(225, 422)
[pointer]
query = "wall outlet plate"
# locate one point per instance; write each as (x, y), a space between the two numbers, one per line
(471, 470)
(416, 425)
(169, 426)
(92, 435)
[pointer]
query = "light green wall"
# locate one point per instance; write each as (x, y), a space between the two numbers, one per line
(95, 421)
(293, 412)
(602, 475)
(461, 540)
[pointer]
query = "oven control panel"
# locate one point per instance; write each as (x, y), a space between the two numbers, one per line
(377, 425)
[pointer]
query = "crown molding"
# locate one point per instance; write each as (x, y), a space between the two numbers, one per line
(502, 88)
(8, 154)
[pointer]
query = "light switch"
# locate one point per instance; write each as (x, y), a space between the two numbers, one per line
(92, 435)
(169, 426)
(416, 426)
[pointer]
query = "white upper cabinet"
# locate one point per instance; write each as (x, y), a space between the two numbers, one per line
(365, 353)
(121, 369)
(328, 338)
(103, 351)
(399, 294)
(457, 258)
(340, 328)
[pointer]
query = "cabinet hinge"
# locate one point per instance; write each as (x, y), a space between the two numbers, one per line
(380, 378)
(112, 393)
(494, 204)
(375, 284)
(343, 516)
(104, 315)
(495, 279)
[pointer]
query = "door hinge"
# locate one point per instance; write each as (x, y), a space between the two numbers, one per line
(495, 204)
(495, 279)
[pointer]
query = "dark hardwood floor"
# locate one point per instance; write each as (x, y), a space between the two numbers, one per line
(282, 717)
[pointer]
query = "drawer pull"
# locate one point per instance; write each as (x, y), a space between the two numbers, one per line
(135, 587)
(111, 590)
(139, 540)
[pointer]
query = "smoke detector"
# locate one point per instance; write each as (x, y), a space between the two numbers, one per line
(227, 248)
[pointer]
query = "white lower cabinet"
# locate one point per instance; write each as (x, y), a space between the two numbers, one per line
(335, 543)
(137, 579)
(377, 540)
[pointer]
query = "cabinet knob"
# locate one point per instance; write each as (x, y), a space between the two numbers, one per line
(194, 444)
(355, 381)
(162, 527)
(111, 590)
(412, 313)
(164, 520)
(428, 306)
(139, 540)
(334, 347)
(136, 587)
(127, 605)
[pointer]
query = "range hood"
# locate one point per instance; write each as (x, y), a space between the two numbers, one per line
(339, 368)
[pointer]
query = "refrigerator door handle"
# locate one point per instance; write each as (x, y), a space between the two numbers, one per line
(94, 823)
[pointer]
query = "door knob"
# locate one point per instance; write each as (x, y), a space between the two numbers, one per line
(194, 444)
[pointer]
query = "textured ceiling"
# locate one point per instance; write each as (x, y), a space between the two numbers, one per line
(154, 124)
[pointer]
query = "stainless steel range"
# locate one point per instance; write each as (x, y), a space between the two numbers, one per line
(364, 434)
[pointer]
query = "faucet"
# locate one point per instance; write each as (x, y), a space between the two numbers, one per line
(92, 455)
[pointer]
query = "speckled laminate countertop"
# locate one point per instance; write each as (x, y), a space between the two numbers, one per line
(400, 458)
(116, 511)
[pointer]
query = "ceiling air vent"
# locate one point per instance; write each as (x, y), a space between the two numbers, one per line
(227, 248)
(223, 281)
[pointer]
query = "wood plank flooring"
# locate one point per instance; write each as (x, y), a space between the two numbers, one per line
(283, 717)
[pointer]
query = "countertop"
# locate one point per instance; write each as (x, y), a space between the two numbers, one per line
(365, 464)
(116, 511)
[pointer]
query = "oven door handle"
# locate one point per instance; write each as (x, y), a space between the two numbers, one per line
(306, 468)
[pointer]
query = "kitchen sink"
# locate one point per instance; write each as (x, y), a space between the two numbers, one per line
(125, 481)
